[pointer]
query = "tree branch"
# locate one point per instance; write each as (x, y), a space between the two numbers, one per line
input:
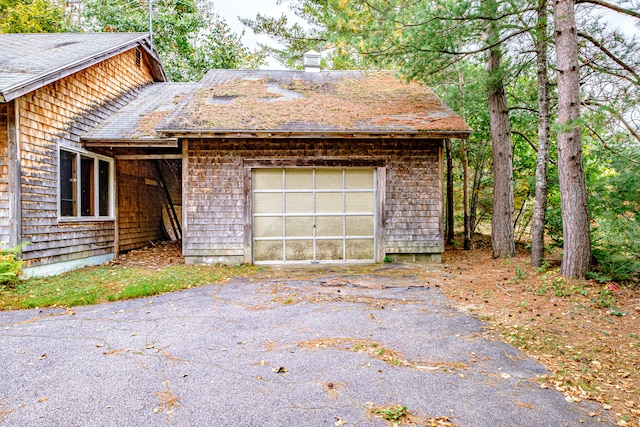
(617, 115)
(610, 54)
(530, 142)
(611, 6)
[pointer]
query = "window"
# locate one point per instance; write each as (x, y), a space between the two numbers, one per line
(86, 189)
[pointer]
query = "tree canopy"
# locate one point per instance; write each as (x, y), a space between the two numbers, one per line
(191, 38)
(33, 16)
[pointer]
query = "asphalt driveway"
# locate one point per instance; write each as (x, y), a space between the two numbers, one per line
(321, 349)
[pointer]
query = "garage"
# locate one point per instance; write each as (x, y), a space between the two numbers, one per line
(313, 215)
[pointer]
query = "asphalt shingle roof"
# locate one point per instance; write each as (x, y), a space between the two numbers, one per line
(30, 61)
(138, 119)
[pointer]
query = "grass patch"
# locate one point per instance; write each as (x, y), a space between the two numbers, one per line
(94, 285)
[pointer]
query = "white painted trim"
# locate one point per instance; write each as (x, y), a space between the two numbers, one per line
(64, 266)
(112, 179)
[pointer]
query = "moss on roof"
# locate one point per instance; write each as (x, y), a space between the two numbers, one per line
(358, 101)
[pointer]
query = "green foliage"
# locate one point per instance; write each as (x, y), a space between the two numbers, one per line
(393, 413)
(33, 16)
(191, 39)
(10, 265)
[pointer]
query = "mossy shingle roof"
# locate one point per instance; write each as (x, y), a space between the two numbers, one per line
(228, 101)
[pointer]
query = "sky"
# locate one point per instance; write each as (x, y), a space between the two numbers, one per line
(231, 9)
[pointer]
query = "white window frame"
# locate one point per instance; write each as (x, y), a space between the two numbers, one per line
(96, 183)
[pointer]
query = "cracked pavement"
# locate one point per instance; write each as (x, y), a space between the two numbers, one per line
(274, 350)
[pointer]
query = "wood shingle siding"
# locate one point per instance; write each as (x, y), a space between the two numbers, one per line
(56, 115)
(4, 175)
(215, 190)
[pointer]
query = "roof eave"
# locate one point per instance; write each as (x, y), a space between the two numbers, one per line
(130, 142)
(347, 134)
(15, 91)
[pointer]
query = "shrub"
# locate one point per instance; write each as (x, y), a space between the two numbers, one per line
(611, 265)
(10, 265)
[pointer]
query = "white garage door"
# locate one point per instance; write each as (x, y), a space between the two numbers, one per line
(313, 215)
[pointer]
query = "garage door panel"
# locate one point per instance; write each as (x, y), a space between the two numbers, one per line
(359, 248)
(299, 203)
(329, 250)
(267, 203)
(267, 250)
(299, 226)
(267, 179)
(299, 250)
(329, 202)
(359, 226)
(329, 226)
(267, 226)
(328, 179)
(298, 179)
(358, 179)
(359, 202)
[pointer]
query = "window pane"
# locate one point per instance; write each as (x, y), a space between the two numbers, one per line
(299, 202)
(299, 179)
(360, 202)
(361, 179)
(267, 226)
(299, 226)
(267, 179)
(329, 179)
(268, 203)
(329, 203)
(68, 184)
(327, 226)
(360, 225)
(86, 186)
(103, 188)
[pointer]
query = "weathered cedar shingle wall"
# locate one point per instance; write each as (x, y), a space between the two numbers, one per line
(4, 183)
(414, 202)
(139, 204)
(56, 115)
(215, 189)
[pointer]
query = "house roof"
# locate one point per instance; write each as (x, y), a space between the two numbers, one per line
(255, 103)
(30, 61)
(134, 124)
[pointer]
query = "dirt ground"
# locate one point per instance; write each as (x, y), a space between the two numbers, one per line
(586, 333)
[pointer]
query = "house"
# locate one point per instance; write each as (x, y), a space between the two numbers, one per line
(248, 166)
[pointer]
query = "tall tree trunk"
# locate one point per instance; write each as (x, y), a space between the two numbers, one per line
(465, 194)
(478, 174)
(502, 217)
(573, 190)
(542, 162)
(450, 224)
(466, 245)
